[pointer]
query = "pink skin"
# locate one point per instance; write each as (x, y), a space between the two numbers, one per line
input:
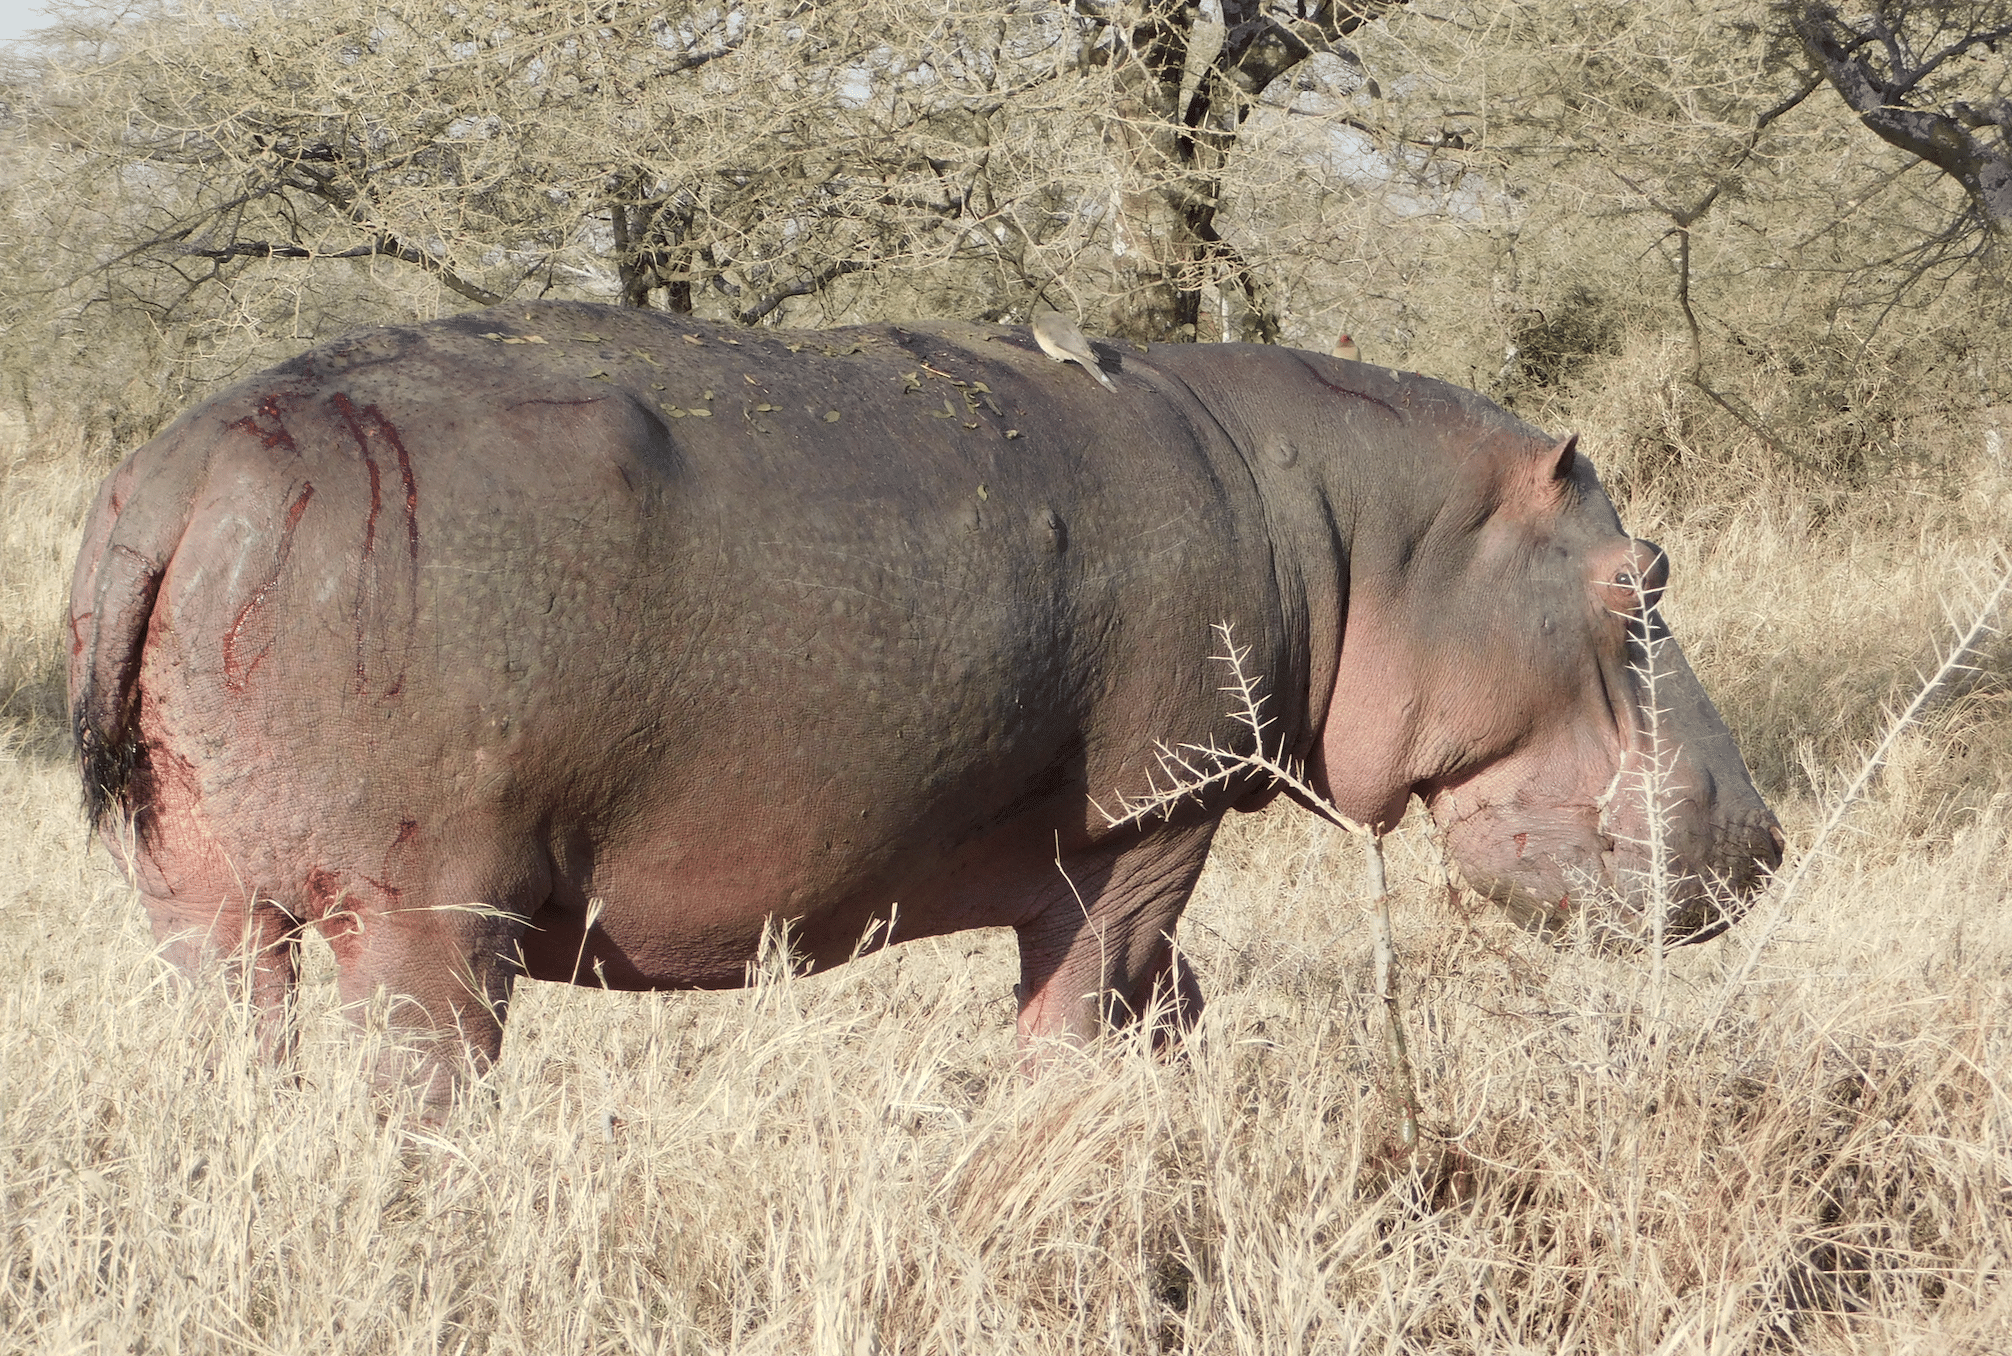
(1409, 707)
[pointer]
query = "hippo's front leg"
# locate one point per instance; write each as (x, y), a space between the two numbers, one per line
(1098, 953)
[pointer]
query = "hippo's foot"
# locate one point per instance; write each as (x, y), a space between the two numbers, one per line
(441, 977)
(418, 1073)
(437, 973)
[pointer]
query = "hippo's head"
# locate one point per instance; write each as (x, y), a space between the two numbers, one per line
(1505, 659)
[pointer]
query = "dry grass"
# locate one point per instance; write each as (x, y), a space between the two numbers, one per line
(848, 1163)
(44, 494)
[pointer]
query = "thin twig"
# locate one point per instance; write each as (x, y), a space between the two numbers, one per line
(1784, 896)
(1190, 769)
(1971, 637)
(1187, 770)
(1404, 1086)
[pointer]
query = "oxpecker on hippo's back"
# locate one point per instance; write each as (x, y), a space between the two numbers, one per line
(1061, 340)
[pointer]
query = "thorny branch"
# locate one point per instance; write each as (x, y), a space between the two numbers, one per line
(1187, 770)
(1969, 636)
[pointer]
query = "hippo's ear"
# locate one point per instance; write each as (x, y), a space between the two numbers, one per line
(1564, 457)
(1542, 482)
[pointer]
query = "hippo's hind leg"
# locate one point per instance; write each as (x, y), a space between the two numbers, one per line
(255, 945)
(441, 941)
(1099, 952)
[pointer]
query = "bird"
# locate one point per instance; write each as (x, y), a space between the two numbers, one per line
(1061, 340)
(1345, 348)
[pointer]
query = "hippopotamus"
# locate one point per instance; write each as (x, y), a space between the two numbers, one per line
(585, 644)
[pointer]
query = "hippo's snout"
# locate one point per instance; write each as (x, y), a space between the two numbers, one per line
(1557, 868)
(1697, 862)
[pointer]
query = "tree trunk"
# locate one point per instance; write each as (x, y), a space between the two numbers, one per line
(1185, 84)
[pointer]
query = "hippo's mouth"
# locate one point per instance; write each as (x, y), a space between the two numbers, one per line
(1567, 875)
(1693, 911)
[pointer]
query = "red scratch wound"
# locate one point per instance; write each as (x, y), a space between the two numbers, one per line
(408, 829)
(324, 888)
(364, 425)
(276, 436)
(77, 621)
(235, 674)
(1384, 405)
(411, 492)
(363, 570)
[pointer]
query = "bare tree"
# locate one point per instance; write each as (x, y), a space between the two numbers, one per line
(732, 158)
(1540, 152)
(1507, 194)
(1187, 77)
(741, 151)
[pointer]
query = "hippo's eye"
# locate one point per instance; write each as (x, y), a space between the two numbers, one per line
(1626, 579)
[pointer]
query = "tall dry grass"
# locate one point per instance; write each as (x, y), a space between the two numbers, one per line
(45, 490)
(1810, 1153)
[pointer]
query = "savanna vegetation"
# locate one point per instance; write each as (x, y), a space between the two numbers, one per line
(1756, 253)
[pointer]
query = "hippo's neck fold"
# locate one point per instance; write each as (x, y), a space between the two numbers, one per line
(1239, 410)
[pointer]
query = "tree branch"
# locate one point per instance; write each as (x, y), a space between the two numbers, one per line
(804, 286)
(1838, 50)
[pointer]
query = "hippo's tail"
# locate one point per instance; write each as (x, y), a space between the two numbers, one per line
(127, 547)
